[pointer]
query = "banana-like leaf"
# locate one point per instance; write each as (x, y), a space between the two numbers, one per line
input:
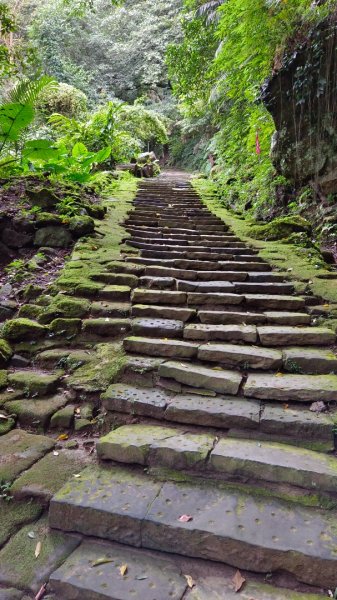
(14, 118)
(40, 150)
(79, 150)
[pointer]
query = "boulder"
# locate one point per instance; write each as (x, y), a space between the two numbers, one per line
(81, 225)
(53, 236)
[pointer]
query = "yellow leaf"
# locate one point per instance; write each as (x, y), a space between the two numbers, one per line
(37, 549)
(102, 561)
(279, 375)
(123, 570)
(63, 437)
(238, 581)
(190, 581)
(285, 406)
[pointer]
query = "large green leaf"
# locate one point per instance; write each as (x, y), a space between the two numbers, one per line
(14, 118)
(40, 150)
(79, 150)
(102, 155)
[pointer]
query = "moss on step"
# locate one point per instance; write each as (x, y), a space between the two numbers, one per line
(5, 353)
(298, 263)
(3, 379)
(67, 328)
(280, 228)
(64, 307)
(34, 383)
(101, 371)
(30, 311)
(23, 329)
(36, 414)
(16, 514)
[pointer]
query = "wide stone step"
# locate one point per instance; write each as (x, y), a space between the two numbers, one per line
(158, 446)
(158, 283)
(309, 360)
(162, 328)
(271, 302)
(264, 288)
(263, 535)
(213, 299)
(242, 333)
(197, 265)
(144, 296)
(205, 286)
(287, 388)
(228, 317)
(300, 336)
(93, 572)
(160, 347)
(221, 381)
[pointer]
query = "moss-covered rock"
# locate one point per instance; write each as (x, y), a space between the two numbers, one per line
(42, 197)
(53, 237)
(19, 451)
(44, 219)
(96, 211)
(15, 515)
(63, 418)
(5, 353)
(102, 370)
(31, 292)
(36, 414)
(29, 311)
(65, 307)
(280, 228)
(23, 329)
(3, 379)
(81, 225)
(34, 383)
(6, 425)
(67, 328)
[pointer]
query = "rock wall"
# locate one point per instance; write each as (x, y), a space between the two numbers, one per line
(302, 99)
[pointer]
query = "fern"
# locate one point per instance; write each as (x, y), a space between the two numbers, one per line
(209, 11)
(27, 91)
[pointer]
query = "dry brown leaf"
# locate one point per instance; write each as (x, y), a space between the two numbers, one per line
(285, 406)
(185, 518)
(279, 375)
(123, 570)
(238, 581)
(38, 549)
(190, 581)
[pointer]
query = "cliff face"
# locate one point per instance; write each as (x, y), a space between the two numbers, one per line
(302, 99)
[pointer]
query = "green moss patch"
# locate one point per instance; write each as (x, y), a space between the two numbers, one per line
(3, 379)
(30, 311)
(64, 307)
(67, 328)
(18, 566)
(16, 514)
(23, 329)
(101, 371)
(47, 476)
(5, 353)
(35, 414)
(34, 383)
(280, 228)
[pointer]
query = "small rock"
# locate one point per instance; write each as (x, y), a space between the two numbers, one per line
(71, 445)
(318, 407)
(19, 362)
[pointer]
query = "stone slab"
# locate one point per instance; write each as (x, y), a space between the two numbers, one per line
(300, 336)
(287, 388)
(147, 577)
(19, 451)
(143, 296)
(160, 347)
(251, 357)
(166, 328)
(139, 401)
(219, 317)
(16, 514)
(220, 588)
(108, 503)
(256, 534)
(205, 286)
(233, 276)
(115, 293)
(36, 413)
(309, 360)
(287, 318)
(106, 327)
(114, 310)
(277, 463)
(19, 568)
(164, 312)
(297, 422)
(213, 299)
(220, 411)
(230, 333)
(221, 381)
(271, 302)
(182, 451)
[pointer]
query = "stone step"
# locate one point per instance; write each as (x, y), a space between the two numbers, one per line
(158, 446)
(144, 296)
(157, 283)
(106, 327)
(197, 265)
(166, 246)
(261, 534)
(268, 302)
(299, 336)
(245, 357)
(213, 299)
(93, 572)
(160, 347)
(116, 279)
(264, 288)
(205, 286)
(241, 333)
(162, 328)
(114, 310)
(165, 312)
(309, 360)
(287, 318)
(292, 388)
(228, 317)
(220, 380)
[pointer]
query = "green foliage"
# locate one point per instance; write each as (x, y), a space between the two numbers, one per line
(64, 99)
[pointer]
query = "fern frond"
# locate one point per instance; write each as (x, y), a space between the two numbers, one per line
(209, 11)
(27, 90)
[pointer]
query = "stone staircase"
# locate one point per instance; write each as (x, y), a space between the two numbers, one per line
(219, 460)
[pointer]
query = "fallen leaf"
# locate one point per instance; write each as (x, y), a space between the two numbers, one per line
(41, 592)
(77, 476)
(63, 437)
(102, 561)
(238, 581)
(185, 519)
(123, 570)
(285, 406)
(279, 375)
(38, 549)
(190, 581)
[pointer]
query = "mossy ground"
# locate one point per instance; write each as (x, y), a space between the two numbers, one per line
(15, 514)
(297, 262)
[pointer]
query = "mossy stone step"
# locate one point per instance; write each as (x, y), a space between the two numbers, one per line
(165, 312)
(221, 381)
(156, 446)
(297, 421)
(143, 296)
(246, 357)
(157, 283)
(114, 310)
(21, 329)
(187, 255)
(116, 279)
(147, 576)
(230, 333)
(19, 450)
(287, 318)
(162, 328)
(264, 288)
(106, 327)
(296, 388)
(115, 293)
(36, 414)
(309, 360)
(277, 463)
(300, 336)
(35, 383)
(263, 535)
(160, 347)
